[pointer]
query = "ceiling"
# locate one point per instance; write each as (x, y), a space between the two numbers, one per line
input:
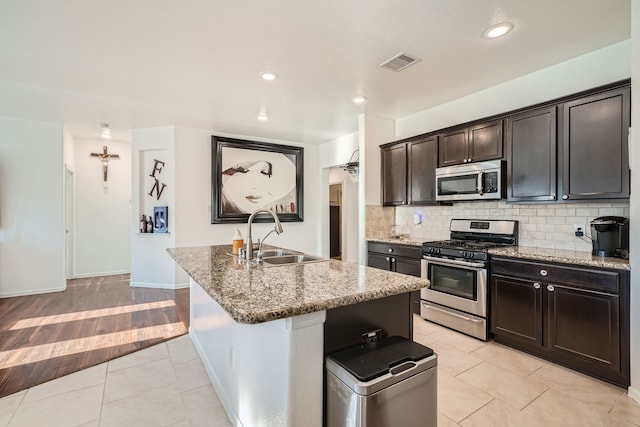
(196, 63)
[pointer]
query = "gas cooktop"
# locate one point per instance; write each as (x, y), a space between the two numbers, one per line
(470, 239)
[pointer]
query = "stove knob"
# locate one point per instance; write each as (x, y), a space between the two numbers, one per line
(438, 251)
(471, 255)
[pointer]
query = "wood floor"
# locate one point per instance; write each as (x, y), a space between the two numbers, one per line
(97, 319)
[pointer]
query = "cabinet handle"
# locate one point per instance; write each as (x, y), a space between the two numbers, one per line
(465, 160)
(469, 160)
(536, 285)
(543, 273)
(390, 250)
(388, 258)
(550, 288)
(565, 197)
(393, 260)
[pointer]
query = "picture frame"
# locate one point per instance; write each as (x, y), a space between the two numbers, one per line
(160, 219)
(250, 175)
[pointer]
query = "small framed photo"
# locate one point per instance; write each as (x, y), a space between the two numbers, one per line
(160, 219)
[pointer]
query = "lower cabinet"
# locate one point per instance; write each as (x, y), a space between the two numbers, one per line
(403, 259)
(577, 317)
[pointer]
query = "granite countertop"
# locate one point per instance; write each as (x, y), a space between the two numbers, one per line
(396, 240)
(563, 256)
(253, 294)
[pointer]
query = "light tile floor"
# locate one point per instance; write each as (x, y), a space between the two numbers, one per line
(479, 384)
(488, 384)
(163, 385)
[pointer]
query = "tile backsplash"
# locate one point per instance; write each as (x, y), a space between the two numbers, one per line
(540, 225)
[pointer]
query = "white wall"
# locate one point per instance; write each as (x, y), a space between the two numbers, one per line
(193, 198)
(596, 68)
(103, 213)
(337, 151)
(68, 149)
(150, 264)
(634, 390)
(31, 207)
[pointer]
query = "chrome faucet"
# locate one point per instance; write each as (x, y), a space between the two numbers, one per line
(248, 253)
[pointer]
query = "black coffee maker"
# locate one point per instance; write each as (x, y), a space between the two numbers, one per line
(610, 236)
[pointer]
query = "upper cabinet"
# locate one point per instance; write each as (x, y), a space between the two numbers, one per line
(576, 150)
(595, 152)
(471, 144)
(394, 174)
(568, 149)
(422, 158)
(408, 171)
(531, 144)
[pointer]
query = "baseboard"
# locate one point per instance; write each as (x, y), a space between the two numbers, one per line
(634, 394)
(159, 285)
(32, 292)
(105, 273)
(215, 382)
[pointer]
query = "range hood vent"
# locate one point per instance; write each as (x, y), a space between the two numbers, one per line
(400, 62)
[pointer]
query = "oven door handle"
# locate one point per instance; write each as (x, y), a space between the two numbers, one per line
(451, 313)
(447, 261)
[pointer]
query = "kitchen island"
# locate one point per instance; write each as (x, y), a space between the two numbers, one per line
(262, 332)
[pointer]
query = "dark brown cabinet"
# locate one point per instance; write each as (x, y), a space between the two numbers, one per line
(403, 259)
(578, 317)
(531, 144)
(572, 150)
(471, 144)
(408, 171)
(394, 174)
(516, 309)
(595, 156)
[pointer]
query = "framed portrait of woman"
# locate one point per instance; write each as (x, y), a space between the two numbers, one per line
(250, 175)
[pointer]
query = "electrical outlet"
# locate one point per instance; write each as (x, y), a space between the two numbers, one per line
(578, 230)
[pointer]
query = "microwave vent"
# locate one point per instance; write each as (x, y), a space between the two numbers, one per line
(399, 62)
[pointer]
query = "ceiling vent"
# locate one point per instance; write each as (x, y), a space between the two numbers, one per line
(400, 62)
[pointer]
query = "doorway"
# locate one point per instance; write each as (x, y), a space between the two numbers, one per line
(69, 222)
(335, 221)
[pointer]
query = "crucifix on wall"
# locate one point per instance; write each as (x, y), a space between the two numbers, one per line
(105, 156)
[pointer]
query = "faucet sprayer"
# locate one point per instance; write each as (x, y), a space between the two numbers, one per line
(249, 244)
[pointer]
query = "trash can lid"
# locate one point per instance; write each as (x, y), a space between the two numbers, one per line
(369, 361)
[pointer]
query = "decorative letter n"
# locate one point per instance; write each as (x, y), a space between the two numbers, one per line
(159, 188)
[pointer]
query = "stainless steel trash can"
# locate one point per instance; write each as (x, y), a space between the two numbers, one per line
(390, 383)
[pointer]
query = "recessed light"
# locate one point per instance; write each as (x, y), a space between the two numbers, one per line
(498, 30)
(269, 75)
(106, 132)
(359, 99)
(263, 117)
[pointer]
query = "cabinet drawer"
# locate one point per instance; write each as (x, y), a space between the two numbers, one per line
(584, 278)
(392, 249)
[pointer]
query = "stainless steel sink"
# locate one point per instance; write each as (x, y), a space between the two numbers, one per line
(289, 260)
(278, 252)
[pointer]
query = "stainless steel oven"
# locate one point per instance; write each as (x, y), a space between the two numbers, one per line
(457, 268)
(457, 296)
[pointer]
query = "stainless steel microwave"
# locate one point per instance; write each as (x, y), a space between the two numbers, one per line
(471, 181)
